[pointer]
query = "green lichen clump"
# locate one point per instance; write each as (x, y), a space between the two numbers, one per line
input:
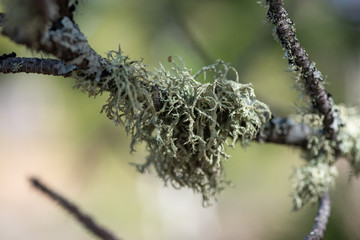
(312, 181)
(185, 124)
(317, 176)
(349, 136)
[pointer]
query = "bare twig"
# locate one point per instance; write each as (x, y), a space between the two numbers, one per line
(321, 219)
(81, 217)
(35, 65)
(297, 56)
(287, 132)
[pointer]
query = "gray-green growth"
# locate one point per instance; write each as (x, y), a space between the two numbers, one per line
(349, 136)
(184, 123)
(311, 182)
(317, 176)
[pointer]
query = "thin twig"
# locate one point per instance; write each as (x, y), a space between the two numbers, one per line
(297, 56)
(321, 219)
(81, 217)
(10, 64)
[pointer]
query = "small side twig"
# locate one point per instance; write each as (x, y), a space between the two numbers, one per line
(81, 217)
(321, 219)
(11, 64)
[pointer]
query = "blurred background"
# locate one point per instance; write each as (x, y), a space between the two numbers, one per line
(51, 131)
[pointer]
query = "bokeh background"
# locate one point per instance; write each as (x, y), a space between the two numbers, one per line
(51, 131)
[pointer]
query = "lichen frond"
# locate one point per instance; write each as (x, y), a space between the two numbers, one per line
(311, 182)
(184, 123)
(349, 136)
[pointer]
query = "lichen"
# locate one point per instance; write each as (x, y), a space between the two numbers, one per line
(16, 67)
(349, 136)
(185, 124)
(317, 176)
(311, 182)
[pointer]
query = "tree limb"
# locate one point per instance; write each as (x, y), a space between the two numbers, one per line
(35, 65)
(63, 39)
(321, 219)
(322, 101)
(81, 217)
(287, 132)
(297, 56)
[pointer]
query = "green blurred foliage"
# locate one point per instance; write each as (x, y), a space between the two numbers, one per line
(87, 157)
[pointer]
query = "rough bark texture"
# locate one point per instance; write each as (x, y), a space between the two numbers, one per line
(287, 132)
(321, 100)
(36, 65)
(321, 219)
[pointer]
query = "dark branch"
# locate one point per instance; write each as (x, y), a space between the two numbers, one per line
(321, 219)
(5, 56)
(69, 44)
(63, 39)
(35, 65)
(322, 101)
(285, 131)
(298, 57)
(84, 219)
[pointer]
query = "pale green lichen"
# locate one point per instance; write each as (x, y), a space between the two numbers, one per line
(184, 123)
(315, 178)
(311, 182)
(16, 67)
(349, 136)
(320, 149)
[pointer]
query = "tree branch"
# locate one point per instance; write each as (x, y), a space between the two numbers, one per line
(297, 56)
(69, 44)
(321, 219)
(322, 101)
(35, 65)
(82, 218)
(287, 132)
(63, 39)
